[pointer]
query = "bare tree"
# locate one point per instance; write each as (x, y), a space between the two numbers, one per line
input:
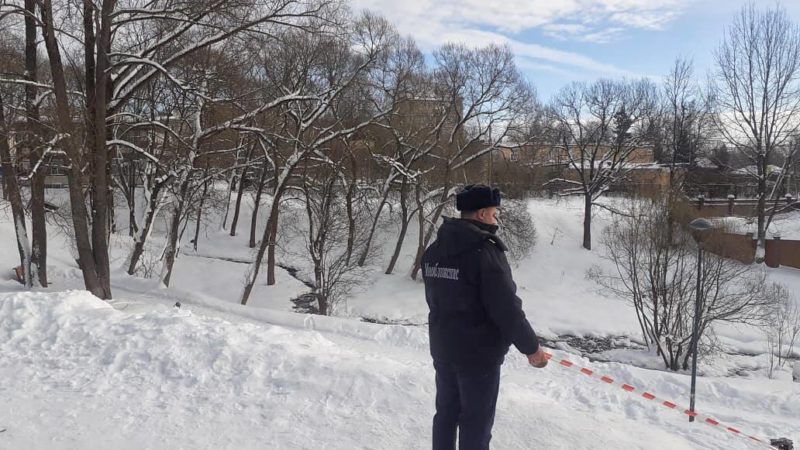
(267, 168)
(756, 87)
(485, 99)
(781, 327)
(655, 270)
(407, 135)
(19, 73)
(126, 45)
(326, 243)
(326, 68)
(243, 182)
(156, 135)
(678, 127)
(7, 162)
(37, 156)
(597, 128)
(10, 62)
(157, 176)
(441, 127)
(209, 135)
(687, 119)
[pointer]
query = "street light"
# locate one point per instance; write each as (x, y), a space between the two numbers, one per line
(700, 230)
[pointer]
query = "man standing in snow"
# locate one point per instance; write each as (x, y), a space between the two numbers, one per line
(474, 317)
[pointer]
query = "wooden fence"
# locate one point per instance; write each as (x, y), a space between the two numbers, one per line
(778, 252)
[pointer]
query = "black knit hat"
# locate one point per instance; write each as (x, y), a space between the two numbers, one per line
(477, 196)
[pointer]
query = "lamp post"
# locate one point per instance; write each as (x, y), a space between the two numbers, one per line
(700, 231)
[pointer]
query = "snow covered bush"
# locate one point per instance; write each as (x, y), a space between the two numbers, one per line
(517, 229)
(655, 268)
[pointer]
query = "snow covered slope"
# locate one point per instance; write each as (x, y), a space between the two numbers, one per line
(137, 373)
(79, 373)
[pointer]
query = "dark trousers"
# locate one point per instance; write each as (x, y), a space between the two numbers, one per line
(466, 398)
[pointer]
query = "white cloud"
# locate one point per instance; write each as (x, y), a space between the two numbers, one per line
(560, 30)
(519, 15)
(582, 33)
(653, 20)
(477, 22)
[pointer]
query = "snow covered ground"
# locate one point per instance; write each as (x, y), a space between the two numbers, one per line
(786, 225)
(81, 373)
(138, 372)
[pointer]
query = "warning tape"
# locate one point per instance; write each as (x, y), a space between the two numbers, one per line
(667, 404)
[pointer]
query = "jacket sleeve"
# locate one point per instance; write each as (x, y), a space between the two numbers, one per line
(498, 295)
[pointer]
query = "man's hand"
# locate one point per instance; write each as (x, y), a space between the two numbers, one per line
(538, 359)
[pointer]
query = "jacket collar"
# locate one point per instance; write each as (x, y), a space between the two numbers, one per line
(483, 226)
(459, 235)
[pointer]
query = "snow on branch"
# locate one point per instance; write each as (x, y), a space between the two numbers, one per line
(135, 60)
(564, 180)
(240, 120)
(613, 210)
(133, 147)
(48, 148)
(46, 87)
(408, 173)
(132, 80)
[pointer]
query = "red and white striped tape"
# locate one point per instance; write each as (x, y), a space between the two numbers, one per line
(665, 403)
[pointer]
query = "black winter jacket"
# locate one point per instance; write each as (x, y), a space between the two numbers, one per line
(475, 314)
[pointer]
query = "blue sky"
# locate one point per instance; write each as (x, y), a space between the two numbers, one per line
(558, 41)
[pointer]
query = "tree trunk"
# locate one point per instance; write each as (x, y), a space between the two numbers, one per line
(231, 188)
(100, 185)
(112, 216)
(174, 232)
(265, 243)
(420, 218)
(271, 231)
(17, 208)
(224, 224)
(761, 208)
(386, 189)
(200, 212)
(316, 245)
(150, 216)
(587, 221)
(429, 234)
(240, 193)
(403, 226)
(133, 227)
(351, 221)
(272, 226)
(38, 224)
(169, 253)
(64, 126)
(236, 209)
(257, 205)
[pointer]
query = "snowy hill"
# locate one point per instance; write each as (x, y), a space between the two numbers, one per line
(138, 372)
(81, 373)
